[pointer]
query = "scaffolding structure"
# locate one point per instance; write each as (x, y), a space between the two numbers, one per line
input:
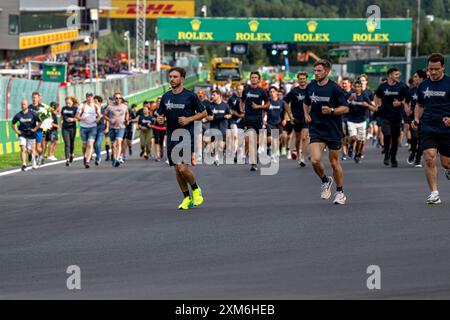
(141, 16)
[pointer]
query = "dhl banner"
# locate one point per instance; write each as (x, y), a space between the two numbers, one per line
(60, 48)
(126, 9)
(46, 39)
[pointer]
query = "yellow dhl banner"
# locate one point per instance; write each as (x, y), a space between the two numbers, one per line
(47, 39)
(126, 9)
(60, 48)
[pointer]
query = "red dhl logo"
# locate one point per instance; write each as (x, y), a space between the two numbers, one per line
(153, 9)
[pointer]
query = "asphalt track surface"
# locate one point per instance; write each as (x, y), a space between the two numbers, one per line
(256, 237)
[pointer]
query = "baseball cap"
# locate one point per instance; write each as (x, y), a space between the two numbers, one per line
(89, 94)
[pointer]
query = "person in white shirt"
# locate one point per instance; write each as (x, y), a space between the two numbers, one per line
(89, 114)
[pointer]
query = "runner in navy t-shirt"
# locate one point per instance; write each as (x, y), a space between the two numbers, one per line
(324, 104)
(275, 121)
(390, 97)
(253, 103)
(182, 108)
(294, 100)
(433, 114)
(416, 149)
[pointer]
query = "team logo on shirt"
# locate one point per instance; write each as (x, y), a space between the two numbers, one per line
(171, 106)
(300, 97)
(316, 99)
(252, 95)
(415, 97)
(216, 111)
(390, 93)
(272, 107)
(25, 120)
(430, 93)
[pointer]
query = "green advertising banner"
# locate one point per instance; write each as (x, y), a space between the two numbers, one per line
(378, 69)
(54, 73)
(285, 30)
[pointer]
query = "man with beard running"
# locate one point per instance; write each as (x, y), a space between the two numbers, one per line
(182, 108)
(432, 113)
(390, 97)
(324, 105)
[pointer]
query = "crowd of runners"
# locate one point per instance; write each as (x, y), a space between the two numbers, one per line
(313, 117)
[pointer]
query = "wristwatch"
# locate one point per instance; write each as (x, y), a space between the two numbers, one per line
(332, 110)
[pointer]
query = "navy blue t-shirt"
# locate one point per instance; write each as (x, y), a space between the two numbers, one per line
(296, 97)
(219, 111)
(388, 94)
(275, 113)
(369, 93)
(258, 96)
(68, 112)
(325, 126)
(234, 104)
(411, 99)
(174, 106)
(145, 121)
(434, 96)
(27, 122)
(357, 110)
(347, 95)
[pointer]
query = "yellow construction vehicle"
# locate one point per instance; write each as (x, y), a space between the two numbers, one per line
(224, 71)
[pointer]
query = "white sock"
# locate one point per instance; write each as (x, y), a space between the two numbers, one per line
(435, 193)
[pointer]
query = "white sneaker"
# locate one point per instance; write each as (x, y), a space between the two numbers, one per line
(326, 188)
(340, 198)
(34, 166)
(288, 156)
(434, 198)
(52, 158)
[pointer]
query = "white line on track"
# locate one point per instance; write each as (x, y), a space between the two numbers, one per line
(7, 173)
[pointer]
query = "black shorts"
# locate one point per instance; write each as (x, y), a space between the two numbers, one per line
(159, 136)
(51, 135)
(439, 141)
(271, 127)
(299, 126)
(128, 133)
(253, 124)
(181, 157)
(331, 144)
(288, 127)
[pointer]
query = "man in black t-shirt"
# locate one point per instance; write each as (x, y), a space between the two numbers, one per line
(432, 113)
(323, 106)
(182, 108)
(253, 103)
(29, 123)
(390, 98)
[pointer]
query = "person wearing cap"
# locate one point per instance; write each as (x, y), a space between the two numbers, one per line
(89, 115)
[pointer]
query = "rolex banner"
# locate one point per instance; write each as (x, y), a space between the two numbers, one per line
(285, 30)
(54, 73)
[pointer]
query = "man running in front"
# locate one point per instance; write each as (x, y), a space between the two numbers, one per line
(182, 108)
(432, 113)
(323, 106)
